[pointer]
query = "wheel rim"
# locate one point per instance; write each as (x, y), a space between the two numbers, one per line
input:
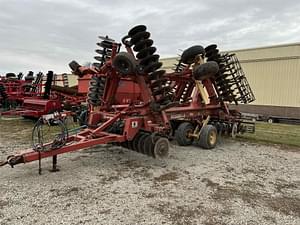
(188, 133)
(212, 138)
(161, 148)
(234, 130)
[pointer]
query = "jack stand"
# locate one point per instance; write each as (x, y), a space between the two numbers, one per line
(40, 164)
(54, 164)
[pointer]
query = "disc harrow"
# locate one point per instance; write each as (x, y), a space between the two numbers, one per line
(149, 64)
(189, 104)
(104, 52)
(148, 144)
(96, 90)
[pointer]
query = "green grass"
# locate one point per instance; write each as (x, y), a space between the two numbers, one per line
(18, 129)
(265, 133)
(274, 133)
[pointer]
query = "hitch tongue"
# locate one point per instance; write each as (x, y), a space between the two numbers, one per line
(3, 163)
(12, 160)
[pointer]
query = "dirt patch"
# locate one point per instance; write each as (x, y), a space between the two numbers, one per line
(283, 204)
(107, 211)
(281, 185)
(180, 215)
(149, 195)
(142, 173)
(3, 204)
(109, 179)
(270, 219)
(171, 176)
(286, 205)
(197, 214)
(210, 183)
(65, 191)
(80, 157)
(132, 164)
(214, 216)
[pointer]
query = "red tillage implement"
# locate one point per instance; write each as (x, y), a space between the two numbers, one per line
(13, 89)
(45, 98)
(189, 104)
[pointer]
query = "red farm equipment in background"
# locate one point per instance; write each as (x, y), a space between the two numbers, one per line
(13, 89)
(35, 96)
(45, 96)
(189, 104)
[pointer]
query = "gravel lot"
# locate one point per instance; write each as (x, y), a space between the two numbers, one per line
(236, 183)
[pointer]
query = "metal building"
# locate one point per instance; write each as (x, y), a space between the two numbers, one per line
(273, 73)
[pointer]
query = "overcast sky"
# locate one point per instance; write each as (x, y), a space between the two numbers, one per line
(42, 35)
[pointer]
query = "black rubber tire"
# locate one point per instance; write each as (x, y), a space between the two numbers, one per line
(143, 44)
(181, 134)
(152, 67)
(135, 141)
(10, 75)
(188, 55)
(30, 73)
(206, 70)
(212, 53)
(145, 52)
(161, 147)
(74, 65)
(140, 145)
(205, 141)
(136, 29)
(215, 58)
(75, 68)
(149, 59)
(210, 47)
(148, 146)
(139, 36)
(124, 63)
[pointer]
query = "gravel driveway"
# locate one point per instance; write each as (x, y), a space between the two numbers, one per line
(235, 183)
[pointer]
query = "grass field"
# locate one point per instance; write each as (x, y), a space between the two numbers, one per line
(264, 132)
(275, 133)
